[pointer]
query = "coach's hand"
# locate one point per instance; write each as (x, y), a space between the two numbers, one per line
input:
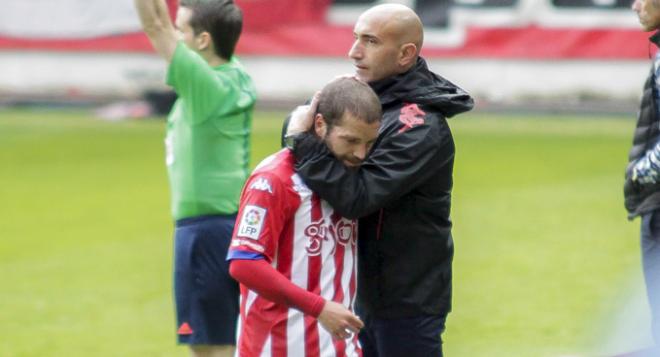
(302, 118)
(339, 321)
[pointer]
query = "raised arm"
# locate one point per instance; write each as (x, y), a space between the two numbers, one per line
(156, 23)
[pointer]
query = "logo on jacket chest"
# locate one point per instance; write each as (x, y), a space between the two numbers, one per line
(410, 116)
(343, 231)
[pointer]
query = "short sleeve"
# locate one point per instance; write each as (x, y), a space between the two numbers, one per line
(203, 89)
(261, 217)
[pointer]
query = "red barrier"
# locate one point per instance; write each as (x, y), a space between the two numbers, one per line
(299, 28)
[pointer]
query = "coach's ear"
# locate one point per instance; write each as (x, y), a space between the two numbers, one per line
(320, 126)
(407, 55)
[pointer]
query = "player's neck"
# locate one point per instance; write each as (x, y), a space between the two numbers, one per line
(212, 58)
(216, 61)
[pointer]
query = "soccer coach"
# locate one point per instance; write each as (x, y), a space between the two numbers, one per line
(402, 191)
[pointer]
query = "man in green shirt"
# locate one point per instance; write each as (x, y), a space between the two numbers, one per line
(207, 151)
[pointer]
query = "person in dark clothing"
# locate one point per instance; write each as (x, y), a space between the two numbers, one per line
(642, 184)
(401, 192)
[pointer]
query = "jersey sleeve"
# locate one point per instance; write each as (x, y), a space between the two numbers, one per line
(203, 89)
(261, 218)
(262, 278)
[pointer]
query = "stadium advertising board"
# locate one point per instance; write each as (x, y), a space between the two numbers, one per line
(507, 29)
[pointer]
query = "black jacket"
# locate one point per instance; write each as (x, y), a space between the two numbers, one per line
(402, 192)
(640, 199)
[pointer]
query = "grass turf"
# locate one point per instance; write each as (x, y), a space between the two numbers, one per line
(543, 247)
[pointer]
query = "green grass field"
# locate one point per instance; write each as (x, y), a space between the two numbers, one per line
(544, 253)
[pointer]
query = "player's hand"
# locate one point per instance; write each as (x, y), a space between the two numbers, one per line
(302, 117)
(339, 321)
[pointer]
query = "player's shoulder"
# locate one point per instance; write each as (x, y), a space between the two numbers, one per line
(234, 71)
(281, 162)
(276, 169)
(184, 58)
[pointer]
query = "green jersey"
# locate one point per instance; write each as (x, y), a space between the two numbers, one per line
(208, 132)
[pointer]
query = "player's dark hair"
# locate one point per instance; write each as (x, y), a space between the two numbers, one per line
(220, 18)
(348, 94)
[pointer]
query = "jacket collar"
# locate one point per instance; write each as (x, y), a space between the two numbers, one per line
(421, 86)
(385, 88)
(655, 38)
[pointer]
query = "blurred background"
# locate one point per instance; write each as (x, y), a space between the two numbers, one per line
(503, 51)
(546, 263)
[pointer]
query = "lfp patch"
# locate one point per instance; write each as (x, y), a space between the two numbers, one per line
(251, 222)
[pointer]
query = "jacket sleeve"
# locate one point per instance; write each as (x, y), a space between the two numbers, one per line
(647, 168)
(401, 159)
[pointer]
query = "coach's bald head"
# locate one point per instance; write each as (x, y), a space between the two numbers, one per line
(388, 39)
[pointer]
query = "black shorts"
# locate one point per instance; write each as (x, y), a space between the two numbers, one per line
(206, 297)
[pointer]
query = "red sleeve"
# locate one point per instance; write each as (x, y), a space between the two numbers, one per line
(262, 278)
(261, 216)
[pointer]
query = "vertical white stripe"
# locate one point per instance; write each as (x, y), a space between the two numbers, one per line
(295, 330)
(355, 257)
(328, 269)
(350, 348)
(349, 269)
(326, 281)
(267, 350)
(251, 296)
(326, 347)
(239, 324)
(349, 266)
(299, 267)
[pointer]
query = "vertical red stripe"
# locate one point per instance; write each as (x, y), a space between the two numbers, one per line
(284, 262)
(338, 296)
(340, 345)
(354, 341)
(241, 339)
(313, 284)
(352, 287)
(254, 332)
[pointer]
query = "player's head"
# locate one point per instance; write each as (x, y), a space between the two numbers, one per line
(210, 25)
(648, 12)
(388, 39)
(347, 119)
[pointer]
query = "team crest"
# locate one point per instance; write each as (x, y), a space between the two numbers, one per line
(411, 116)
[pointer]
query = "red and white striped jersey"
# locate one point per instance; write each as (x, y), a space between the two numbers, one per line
(302, 237)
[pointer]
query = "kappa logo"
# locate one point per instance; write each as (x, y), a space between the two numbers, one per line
(252, 222)
(343, 232)
(262, 184)
(411, 116)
